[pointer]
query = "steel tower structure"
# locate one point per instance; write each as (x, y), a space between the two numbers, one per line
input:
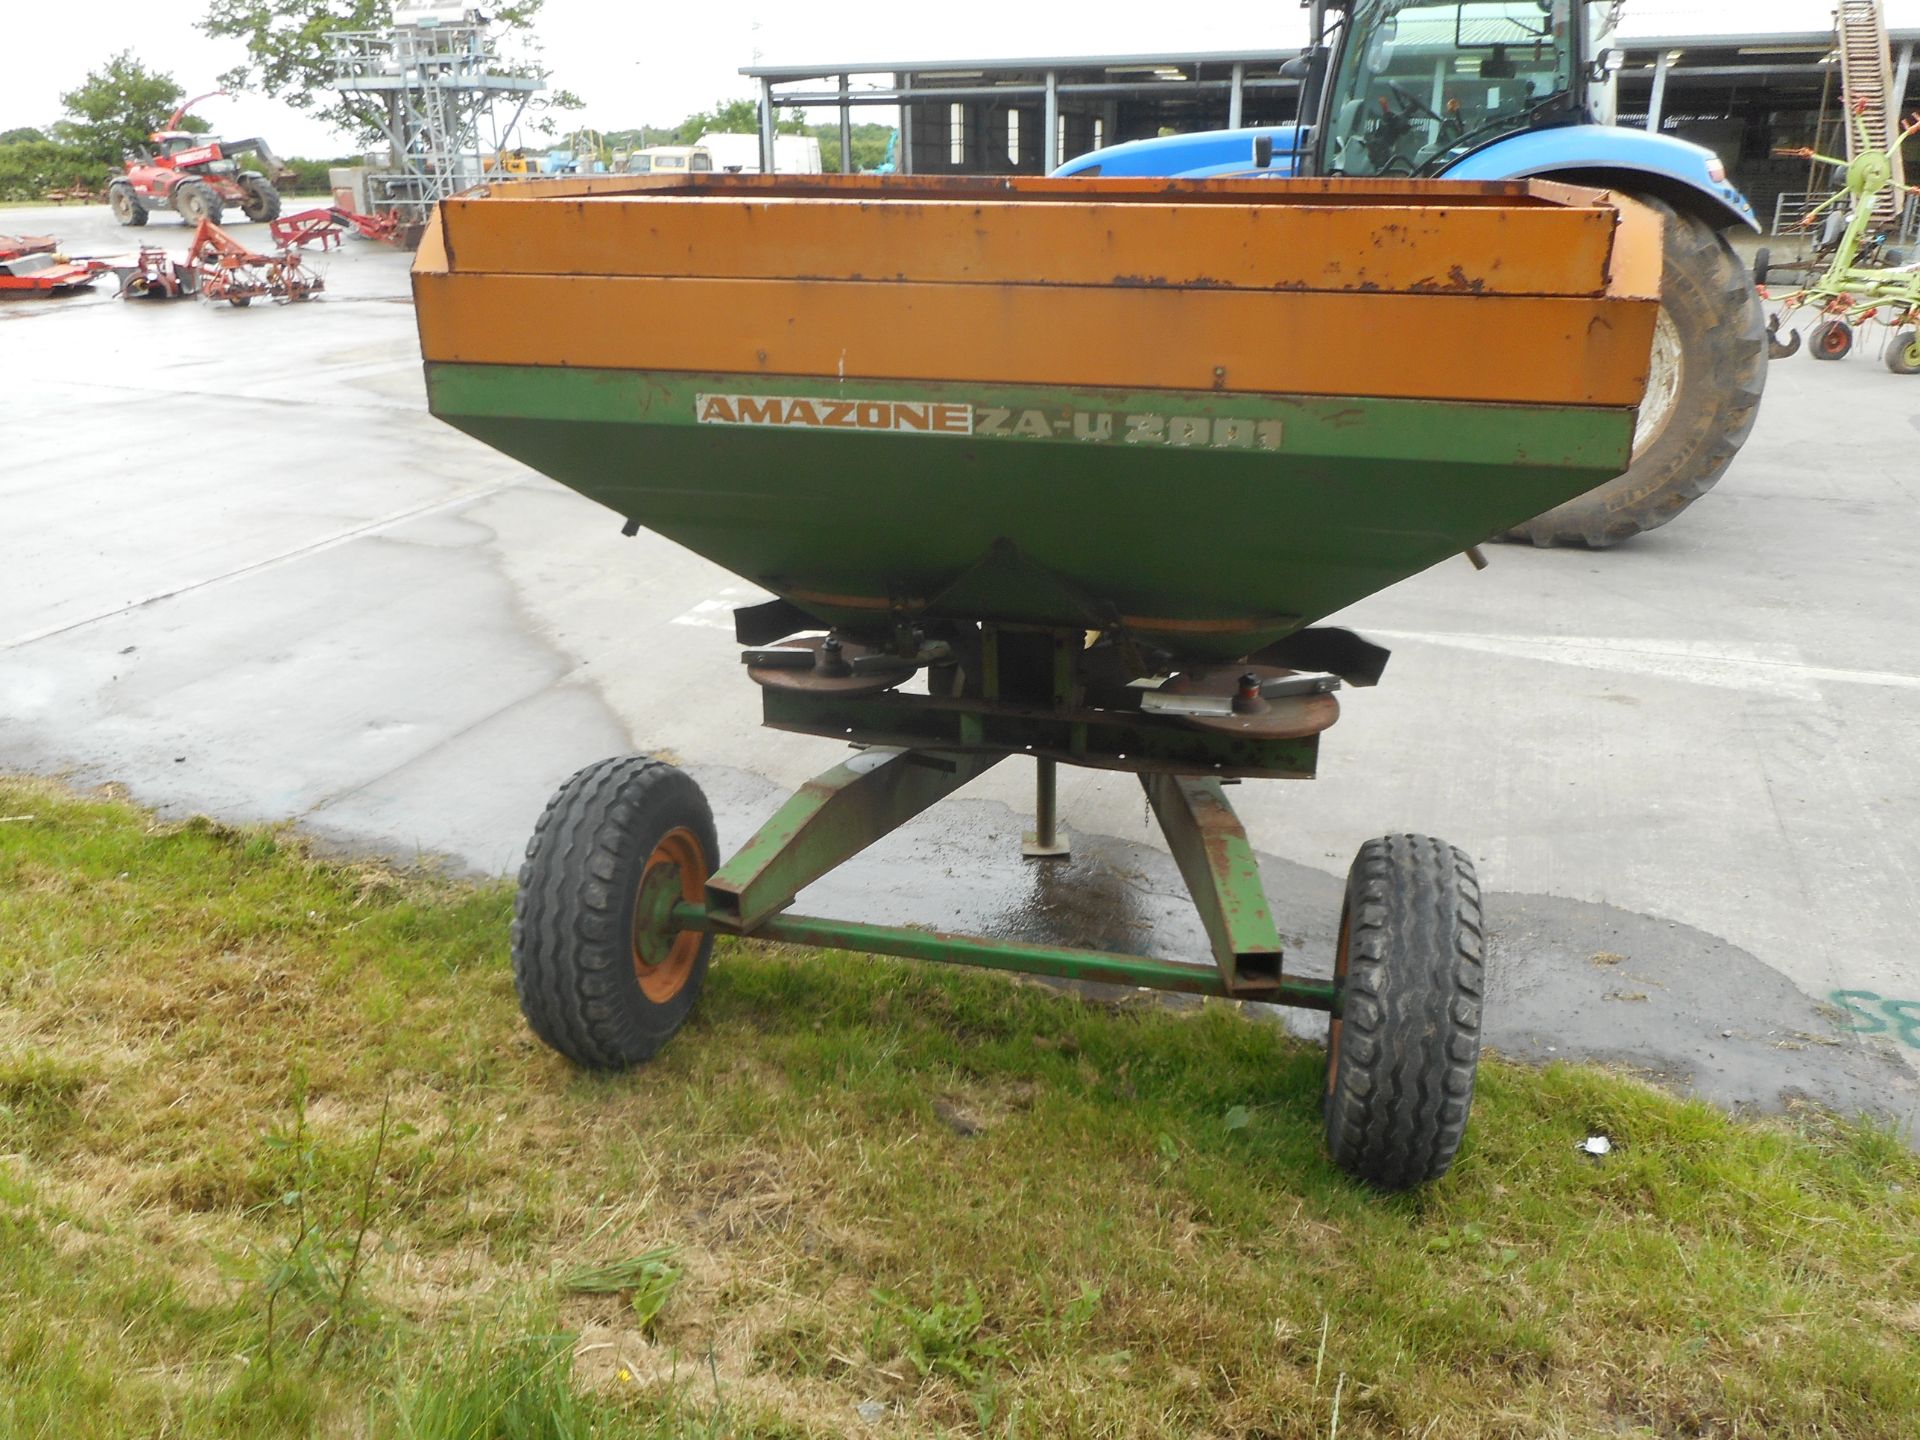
(435, 85)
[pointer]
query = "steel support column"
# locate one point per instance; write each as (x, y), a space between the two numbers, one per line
(1218, 865)
(903, 152)
(830, 820)
(846, 130)
(1050, 146)
(766, 127)
(1236, 95)
(1658, 99)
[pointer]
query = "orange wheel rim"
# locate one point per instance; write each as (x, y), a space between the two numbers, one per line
(1334, 1024)
(663, 955)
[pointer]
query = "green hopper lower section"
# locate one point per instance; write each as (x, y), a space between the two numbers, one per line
(1211, 523)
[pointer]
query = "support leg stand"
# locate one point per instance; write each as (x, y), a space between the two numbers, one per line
(1046, 841)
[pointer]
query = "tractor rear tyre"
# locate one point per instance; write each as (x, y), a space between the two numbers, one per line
(195, 200)
(604, 975)
(258, 199)
(1709, 366)
(1404, 1044)
(1903, 352)
(125, 205)
(1830, 340)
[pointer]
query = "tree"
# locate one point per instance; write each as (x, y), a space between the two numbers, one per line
(23, 135)
(869, 145)
(30, 168)
(290, 57)
(544, 112)
(114, 109)
(734, 117)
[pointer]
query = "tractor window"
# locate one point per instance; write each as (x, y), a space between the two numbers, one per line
(1417, 82)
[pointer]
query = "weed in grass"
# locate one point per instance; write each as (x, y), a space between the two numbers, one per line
(945, 1339)
(325, 1251)
(1075, 1314)
(942, 1338)
(646, 1280)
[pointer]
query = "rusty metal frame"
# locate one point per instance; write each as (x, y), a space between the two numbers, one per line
(834, 817)
(1102, 739)
(828, 821)
(1097, 966)
(1210, 846)
(927, 746)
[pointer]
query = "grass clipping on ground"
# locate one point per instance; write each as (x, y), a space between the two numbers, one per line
(278, 1157)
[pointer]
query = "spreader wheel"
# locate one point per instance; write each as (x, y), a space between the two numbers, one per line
(1405, 1041)
(1830, 340)
(1903, 352)
(604, 976)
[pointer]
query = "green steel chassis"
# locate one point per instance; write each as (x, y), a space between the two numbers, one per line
(842, 812)
(918, 749)
(619, 875)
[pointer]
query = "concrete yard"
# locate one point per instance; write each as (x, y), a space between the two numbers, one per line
(243, 572)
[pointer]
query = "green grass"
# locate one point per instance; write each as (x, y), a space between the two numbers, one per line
(277, 1157)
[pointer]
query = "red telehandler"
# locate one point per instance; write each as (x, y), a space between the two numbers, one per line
(195, 176)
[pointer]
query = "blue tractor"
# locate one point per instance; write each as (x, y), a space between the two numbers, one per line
(1504, 89)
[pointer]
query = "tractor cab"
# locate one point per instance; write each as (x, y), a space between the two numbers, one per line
(184, 150)
(1418, 86)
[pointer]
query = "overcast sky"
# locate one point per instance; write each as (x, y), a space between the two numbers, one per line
(633, 63)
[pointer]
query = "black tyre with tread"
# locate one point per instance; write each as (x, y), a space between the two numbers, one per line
(1830, 340)
(195, 200)
(125, 205)
(259, 200)
(1903, 352)
(1708, 297)
(1402, 1055)
(580, 923)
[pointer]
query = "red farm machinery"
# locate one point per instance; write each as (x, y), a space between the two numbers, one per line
(196, 176)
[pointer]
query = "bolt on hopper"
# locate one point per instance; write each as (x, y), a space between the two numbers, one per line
(1066, 469)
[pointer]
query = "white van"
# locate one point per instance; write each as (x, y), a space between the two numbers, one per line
(740, 154)
(670, 160)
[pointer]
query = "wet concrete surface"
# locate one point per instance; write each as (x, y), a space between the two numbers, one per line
(244, 573)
